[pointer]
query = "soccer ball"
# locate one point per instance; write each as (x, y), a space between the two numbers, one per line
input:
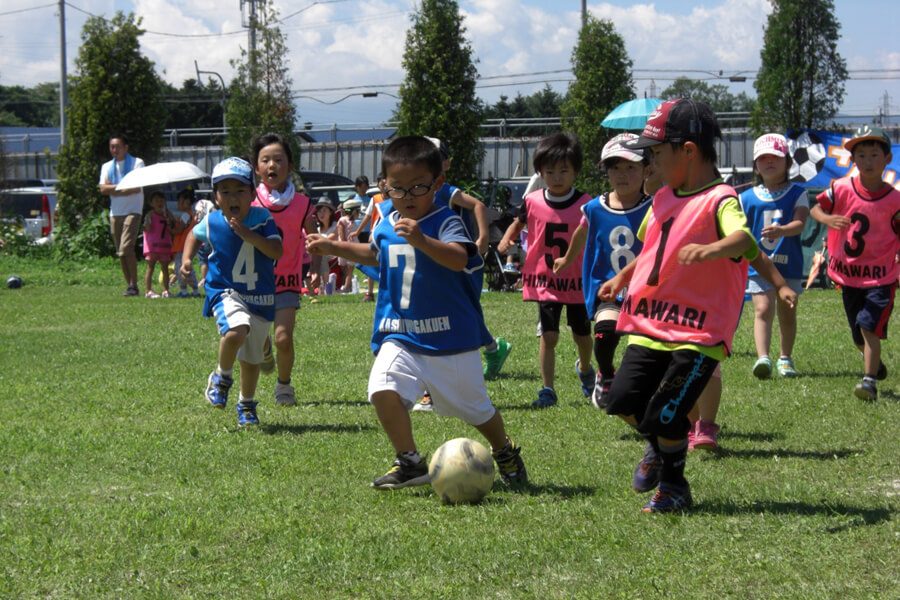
(462, 470)
(809, 155)
(14, 282)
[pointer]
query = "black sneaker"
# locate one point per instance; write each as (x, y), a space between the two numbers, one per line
(510, 464)
(866, 390)
(403, 474)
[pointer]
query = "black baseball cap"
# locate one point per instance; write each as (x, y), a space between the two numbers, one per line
(680, 120)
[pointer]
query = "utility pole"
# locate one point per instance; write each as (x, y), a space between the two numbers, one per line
(583, 16)
(63, 88)
(252, 32)
(249, 21)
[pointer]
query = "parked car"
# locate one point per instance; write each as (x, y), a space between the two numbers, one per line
(35, 206)
(322, 183)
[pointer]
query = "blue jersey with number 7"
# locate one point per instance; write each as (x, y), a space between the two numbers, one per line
(421, 304)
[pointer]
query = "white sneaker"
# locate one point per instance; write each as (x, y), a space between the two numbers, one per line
(284, 395)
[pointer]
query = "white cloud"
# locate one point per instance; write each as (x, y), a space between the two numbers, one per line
(361, 42)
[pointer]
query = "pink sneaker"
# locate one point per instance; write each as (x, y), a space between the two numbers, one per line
(706, 436)
(692, 436)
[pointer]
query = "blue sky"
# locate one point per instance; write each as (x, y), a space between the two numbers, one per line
(355, 45)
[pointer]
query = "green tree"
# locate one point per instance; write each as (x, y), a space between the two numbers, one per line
(30, 107)
(801, 80)
(260, 95)
(193, 105)
(545, 103)
(437, 96)
(716, 96)
(114, 89)
(603, 80)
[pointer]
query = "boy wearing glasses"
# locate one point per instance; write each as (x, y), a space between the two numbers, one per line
(428, 322)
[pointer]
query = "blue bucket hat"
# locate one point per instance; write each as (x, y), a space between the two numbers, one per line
(233, 168)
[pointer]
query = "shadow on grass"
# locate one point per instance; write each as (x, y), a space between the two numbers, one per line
(280, 429)
(782, 453)
(809, 374)
(533, 489)
(516, 376)
(753, 436)
(335, 403)
(888, 395)
(858, 516)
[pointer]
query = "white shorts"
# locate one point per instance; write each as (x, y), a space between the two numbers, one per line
(757, 285)
(231, 312)
(455, 381)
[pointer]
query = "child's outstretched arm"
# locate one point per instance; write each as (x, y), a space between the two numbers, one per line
(191, 245)
(768, 271)
(831, 221)
(611, 288)
(579, 239)
(324, 246)
(514, 229)
(730, 246)
(362, 224)
(477, 207)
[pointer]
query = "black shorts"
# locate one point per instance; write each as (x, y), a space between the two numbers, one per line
(576, 316)
(869, 309)
(659, 388)
(363, 237)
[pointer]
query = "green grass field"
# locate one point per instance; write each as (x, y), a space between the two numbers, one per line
(119, 481)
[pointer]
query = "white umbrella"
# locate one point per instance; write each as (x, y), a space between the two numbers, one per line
(160, 174)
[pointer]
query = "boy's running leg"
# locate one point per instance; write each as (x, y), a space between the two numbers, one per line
(605, 342)
(409, 468)
(587, 375)
(547, 357)
(285, 321)
(685, 378)
(674, 493)
(220, 380)
(495, 355)
(504, 450)
(867, 389)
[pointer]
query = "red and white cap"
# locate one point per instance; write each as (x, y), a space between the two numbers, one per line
(770, 143)
(615, 148)
(679, 120)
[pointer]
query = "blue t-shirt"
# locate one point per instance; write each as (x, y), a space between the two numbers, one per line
(764, 208)
(443, 196)
(612, 243)
(364, 205)
(237, 265)
(423, 305)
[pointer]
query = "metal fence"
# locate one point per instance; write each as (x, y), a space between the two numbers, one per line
(504, 157)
